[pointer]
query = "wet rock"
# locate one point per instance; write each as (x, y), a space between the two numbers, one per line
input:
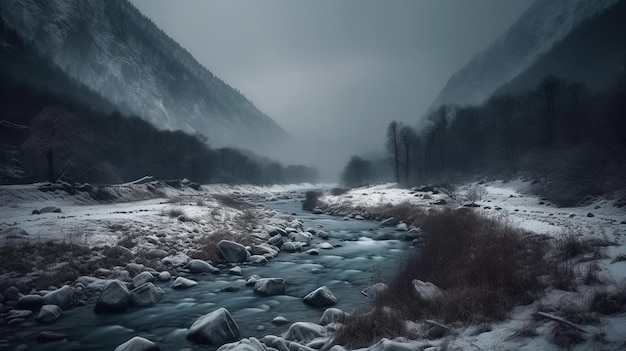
(257, 260)
(302, 237)
(425, 290)
(277, 231)
(276, 240)
(146, 295)
(200, 266)
(216, 328)
(182, 283)
(135, 268)
(374, 291)
(30, 302)
(11, 293)
(264, 250)
(46, 336)
(291, 247)
(165, 276)
(48, 209)
(156, 254)
(114, 298)
(13, 233)
(402, 227)
(280, 320)
(440, 202)
(390, 345)
(413, 234)
(19, 315)
(312, 252)
(235, 271)
(138, 343)
(326, 246)
(269, 286)
(304, 332)
(322, 234)
(320, 297)
(119, 252)
(49, 313)
(253, 279)
(233, 252)
(62, 297)
(590, 215)
(142, 278)
(177, 260)
(332, 315)
(251, 344)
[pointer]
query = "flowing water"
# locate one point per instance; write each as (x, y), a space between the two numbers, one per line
(363, 251)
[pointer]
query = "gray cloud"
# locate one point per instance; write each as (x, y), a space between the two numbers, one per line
(335, 73)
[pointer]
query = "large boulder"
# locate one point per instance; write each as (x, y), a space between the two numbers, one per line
(251, 344)
(303, 332)
(292, 246)
(269, 286)
(426, 291)
(303, 237)
(146, 295)
(62, 297)
(257, 260)
(276, 240)
(374, 291)
(264, 250)
(200, 266)
(138, 343)
(114, 298)
(320, 297)
(332, 315)
(233, 252)
(49, 313)
(216, 328)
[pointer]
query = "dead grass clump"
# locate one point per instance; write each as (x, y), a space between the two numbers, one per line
(609, 302)
(311, 200)
(572, 246)
(565, 337)
(364, 329)
(231, 201)
(173, 212)
(406, 212)
(208, 249)
(247, 220)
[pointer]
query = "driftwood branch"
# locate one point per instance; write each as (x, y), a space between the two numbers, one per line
(437, 324)
(561, 320)
(146, 178)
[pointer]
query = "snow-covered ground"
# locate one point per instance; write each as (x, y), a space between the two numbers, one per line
(512, 202)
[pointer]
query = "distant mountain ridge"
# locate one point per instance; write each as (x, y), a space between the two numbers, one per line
(111, 48)
(545, 23)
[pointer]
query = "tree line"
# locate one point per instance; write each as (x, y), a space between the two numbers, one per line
(570, 140)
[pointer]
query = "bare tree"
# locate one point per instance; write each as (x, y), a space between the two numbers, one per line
(409, 142)
(357, 172)
(436, 133)
(393, 141)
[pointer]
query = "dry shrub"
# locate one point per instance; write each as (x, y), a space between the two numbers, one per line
(609, 302)
(484, 268)
(231, 201)
(363, 329)
(404, 211)
(311, 200)
(173, 212)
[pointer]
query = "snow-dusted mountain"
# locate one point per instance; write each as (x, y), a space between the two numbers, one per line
(545, 23)
(110, 47)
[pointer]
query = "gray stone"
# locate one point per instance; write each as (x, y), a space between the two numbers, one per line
(156, 254)
(216, 328)
(48, 209)
(30, 302)
(146, 295)
(119, 252)
(374, 291)
(277, 231)
(280, 320)
(332, 315)
(62, 297)
(233, 252)
(257, 259)
(292, 246)
(389, 222)
(323, 235)
(276, 240)
(181, 283)
(264, 250)
(312, 252)
(165, 276)
(326, 246)
(49, 313)
(253, 279)
(304, 332)
(320, 297)
(200, 266)
(46, 336)
(19, 314)
(269, 286)
(11, 293)
(251, 344)
(142, 278)
(302, 237)
(135, 268)
(138, 343)
(426, 291)
(114, 298)
(235, 270)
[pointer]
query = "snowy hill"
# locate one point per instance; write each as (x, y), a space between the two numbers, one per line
(111, 48)
(545, 23)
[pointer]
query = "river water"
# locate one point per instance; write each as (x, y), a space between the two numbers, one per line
(363, 251)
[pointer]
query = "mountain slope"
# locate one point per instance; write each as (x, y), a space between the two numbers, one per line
(109, 46)
(537, 30)
(592, 54)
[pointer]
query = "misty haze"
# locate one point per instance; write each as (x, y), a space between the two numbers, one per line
(312, 175)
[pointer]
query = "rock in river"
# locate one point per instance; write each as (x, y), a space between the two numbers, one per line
(49, 313)
(216, 328)
(114, 298)
(269, 286)
(138, 344)
(233, 252)
(320, 297)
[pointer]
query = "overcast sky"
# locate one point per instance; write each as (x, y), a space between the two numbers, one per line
(334, 73)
